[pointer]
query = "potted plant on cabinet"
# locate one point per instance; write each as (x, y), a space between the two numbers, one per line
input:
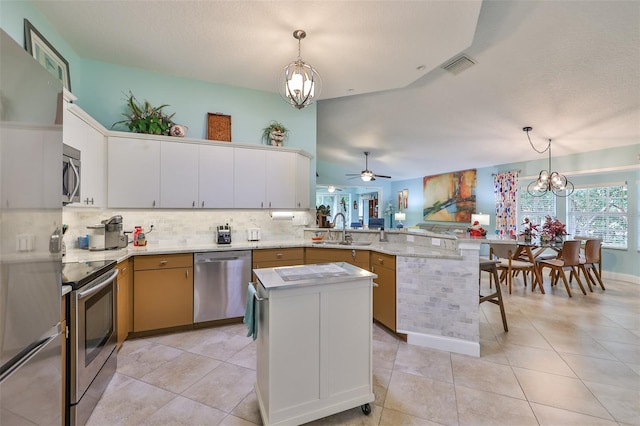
(322, 212)
(145, 118)
(274, 134)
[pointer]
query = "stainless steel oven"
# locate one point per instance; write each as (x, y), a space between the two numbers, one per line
(92, 355)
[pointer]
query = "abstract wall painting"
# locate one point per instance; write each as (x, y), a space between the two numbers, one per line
(450, 197)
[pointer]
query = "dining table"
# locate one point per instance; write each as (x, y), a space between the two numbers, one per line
(531, 252)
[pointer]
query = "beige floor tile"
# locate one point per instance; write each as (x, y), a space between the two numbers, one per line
(384, 354)
(474, 373)
(185, 340)
(221, 346)
(232, 420)
(248, 409)
(424, 362)
(623, 351)
(477, 407)
(422, 397)
(523, 337)
(610, 334)
(381, 379)
(395, 418)
(183, 411)
(383, 335)
(605, 371)
(491, 351)
(634, 367)
(139, 360)
(551, 416)
(537, 359)
(577, 343)
(223, 388)
(130, 404)
(631, 322)
(181, 372)
(623, 405)
(560, 392)
(246, 357)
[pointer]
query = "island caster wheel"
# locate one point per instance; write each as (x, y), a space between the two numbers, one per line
(366, 409)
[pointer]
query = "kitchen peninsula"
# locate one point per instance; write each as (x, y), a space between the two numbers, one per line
(436, 278)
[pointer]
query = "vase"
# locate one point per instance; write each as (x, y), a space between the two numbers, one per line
(178, 130)
(276, 138)
(527, 239)
(559, 239)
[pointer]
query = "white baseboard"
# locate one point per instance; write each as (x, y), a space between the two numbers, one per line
(443, 343)
(628, 278)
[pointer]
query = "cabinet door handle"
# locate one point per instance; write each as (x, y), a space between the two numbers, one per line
(163, 262)
(381, 261)
(193, 204)
(353, 253)
(203, 204)
(154, 203)
(261, 204)
(278, 254)
(123, 269)
(186, 273)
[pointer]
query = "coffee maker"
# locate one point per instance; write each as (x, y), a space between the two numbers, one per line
(114, 237)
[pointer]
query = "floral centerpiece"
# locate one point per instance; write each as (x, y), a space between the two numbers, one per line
(529, 229)
(553, 229)
(144, 118)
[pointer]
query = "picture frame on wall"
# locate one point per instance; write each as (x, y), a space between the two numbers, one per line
(47, 55)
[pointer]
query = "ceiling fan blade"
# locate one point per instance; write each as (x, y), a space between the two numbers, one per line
(352, 174)
(382, 176)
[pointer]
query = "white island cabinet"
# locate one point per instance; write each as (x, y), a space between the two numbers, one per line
(313, 341)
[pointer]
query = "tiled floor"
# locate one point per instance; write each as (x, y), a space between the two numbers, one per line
(564, 361)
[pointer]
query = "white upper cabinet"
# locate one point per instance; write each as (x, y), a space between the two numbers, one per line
(249, 178)
(215, 183)
(85, 134)
(178, 175)
(303, 192)
(133, 172)
(280, 178)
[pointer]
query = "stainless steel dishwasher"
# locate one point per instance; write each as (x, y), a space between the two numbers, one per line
(220, 284)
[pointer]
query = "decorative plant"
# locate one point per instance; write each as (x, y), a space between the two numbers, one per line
(553, 227)
(529, 229)
(321, 215)
(324, 210)
(144, 118)
(275, 133)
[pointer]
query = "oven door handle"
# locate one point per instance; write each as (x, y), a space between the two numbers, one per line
(97, 288)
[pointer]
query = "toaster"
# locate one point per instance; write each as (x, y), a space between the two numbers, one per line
(224, 234)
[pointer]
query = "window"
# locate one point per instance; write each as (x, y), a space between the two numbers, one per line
(600, 212)
(535, 208)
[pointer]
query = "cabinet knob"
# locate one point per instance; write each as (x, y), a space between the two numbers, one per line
(163, 262)
(278, 254)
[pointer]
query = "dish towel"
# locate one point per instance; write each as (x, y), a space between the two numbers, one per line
(250, 317)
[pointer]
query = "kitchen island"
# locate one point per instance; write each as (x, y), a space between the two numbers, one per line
(314, 337)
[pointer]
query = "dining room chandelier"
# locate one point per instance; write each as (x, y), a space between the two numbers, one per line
(299, 83)
(548, 181)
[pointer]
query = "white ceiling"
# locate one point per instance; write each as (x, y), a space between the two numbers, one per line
(570, 69)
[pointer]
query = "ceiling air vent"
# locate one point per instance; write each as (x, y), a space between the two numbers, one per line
(458, 65)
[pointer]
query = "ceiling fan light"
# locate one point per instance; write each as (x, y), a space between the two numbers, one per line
(366, 176)
(331, 188)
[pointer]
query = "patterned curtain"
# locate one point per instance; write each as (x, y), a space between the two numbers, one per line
(505, 187)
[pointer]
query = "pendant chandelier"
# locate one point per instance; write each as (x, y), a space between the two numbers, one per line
(548, 181)
(299, 82)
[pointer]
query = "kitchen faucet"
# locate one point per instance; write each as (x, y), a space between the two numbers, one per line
(344, 225)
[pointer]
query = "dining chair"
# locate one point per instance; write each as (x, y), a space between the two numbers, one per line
(591, 262)
(568, 260)
(490, 266)
(509, 265)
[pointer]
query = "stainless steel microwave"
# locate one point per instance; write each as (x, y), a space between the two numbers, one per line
(70, 174)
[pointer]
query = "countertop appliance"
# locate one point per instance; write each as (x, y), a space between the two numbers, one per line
(253, 234)
(224, 234)
(70, 174)
(220, 284)
(31, 334)
(92, 361)
(96, 237)
(114, 237)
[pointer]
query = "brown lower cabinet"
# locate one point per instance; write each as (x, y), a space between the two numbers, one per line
(384, 296)
(272, 258)
(124, 302)
(162, 291)
(359, 258)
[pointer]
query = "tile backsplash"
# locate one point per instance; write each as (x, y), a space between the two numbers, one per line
(188, 226)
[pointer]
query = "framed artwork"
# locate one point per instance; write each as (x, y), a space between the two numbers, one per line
(46, 54)
(450, 197)
(403, 199)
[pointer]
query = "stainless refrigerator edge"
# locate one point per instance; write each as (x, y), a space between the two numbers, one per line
(30, 240)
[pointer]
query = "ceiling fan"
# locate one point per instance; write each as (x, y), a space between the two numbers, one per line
(330, 188)
(367, 175)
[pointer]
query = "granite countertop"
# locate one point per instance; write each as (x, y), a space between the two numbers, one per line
(394, 249)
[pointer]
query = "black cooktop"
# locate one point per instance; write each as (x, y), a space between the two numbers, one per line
(78, 274)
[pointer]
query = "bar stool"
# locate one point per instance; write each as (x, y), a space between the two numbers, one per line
(490, 266)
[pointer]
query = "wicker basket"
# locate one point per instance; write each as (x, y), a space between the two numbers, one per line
(218, 127)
